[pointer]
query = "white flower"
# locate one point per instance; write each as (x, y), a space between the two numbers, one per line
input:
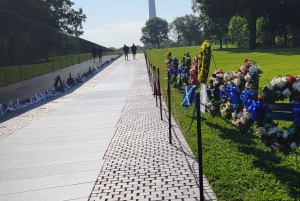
(248, 85)
(212, 108)
(272, 130)
(236, 123)
(276, 146)
(294, 146)
(242, 69)
(225, 78)
(248, 78)
(262, 130)
(296, 86)
(239, 115)
(280, 82)
(243, 120)
(233, 115)
(215, 81)
(287, 92)
(222, 87)
(238, 75)
(247, 115)
(227, 105)
(237, 81)
(221, 75)
(270, 86)
(223, 112)
(285, 134)
(208, 104)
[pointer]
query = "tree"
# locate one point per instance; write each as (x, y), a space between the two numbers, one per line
(175, 33)
(57, 14)
(155, 31)
(189, 27)
(237, 29)
(250, 9)
(66, 18)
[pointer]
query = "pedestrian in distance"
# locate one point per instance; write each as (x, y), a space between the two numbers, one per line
(94, 53)
(133, 50)
(126, 51)
(100, 51)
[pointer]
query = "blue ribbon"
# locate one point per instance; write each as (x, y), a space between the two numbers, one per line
(247, 97)
(297, 113)
(232, 94)
(172, 70)
(254, 109)
(179, 70)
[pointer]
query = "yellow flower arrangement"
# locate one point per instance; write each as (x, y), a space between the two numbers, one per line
(168, 57)
(204, 62)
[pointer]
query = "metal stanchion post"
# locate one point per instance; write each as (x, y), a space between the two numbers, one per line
(169, 106)
(160, 94)
(199, 146)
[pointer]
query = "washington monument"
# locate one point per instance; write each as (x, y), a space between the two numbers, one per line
(152, 11)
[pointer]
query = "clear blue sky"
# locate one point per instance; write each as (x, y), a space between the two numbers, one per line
(113, 23)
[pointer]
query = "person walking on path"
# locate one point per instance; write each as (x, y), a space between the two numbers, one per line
(133, 50)
(100, 51)
(94, 52)
(126, 51)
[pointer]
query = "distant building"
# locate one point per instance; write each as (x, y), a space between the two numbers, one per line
(152, 10)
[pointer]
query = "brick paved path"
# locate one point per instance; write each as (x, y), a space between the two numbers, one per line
(140, 164)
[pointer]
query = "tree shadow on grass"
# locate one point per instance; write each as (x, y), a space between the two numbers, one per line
(231, 133)
(270, 163)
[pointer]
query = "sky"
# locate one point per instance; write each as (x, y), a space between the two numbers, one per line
(113, 23)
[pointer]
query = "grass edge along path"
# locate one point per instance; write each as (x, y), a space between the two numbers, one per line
(238, 167)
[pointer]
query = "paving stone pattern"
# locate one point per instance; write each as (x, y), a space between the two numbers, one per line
(19, 119)
(140, 164)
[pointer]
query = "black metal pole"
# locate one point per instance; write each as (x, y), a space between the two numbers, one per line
(160, 94)
(199, 146)
(169, 106)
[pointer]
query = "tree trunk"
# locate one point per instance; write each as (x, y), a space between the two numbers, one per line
(285, 38)
(252, 31)
(220, 41)
(294, 38)
(157, 45)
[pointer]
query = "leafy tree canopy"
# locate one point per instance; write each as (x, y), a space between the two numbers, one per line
(155, 31)
(58, 14)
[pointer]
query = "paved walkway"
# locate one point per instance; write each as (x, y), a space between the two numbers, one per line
(103, 141)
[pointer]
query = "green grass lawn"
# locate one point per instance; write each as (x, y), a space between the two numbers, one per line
(238, 167)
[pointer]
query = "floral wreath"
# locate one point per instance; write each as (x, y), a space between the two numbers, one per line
(226, 90)
(203, 62)
(280, 89)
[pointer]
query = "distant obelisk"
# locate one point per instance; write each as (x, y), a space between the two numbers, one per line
(152, 10)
